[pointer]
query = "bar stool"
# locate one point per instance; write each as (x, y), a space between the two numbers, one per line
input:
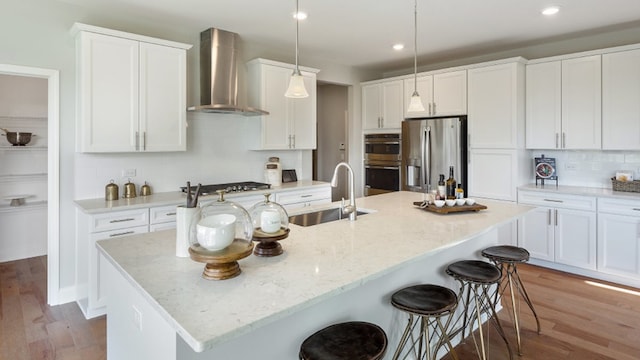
(430, 303)
(506, 258)
(476, 279)
(355, 340)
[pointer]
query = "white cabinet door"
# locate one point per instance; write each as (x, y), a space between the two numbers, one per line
(619, 244)
(131, 94)
(392, 104)
(382, 105)
(496, 106)
(291, 123)
(304, 116)
(621, 100)
(492, 174)
(450, 93)
(107, 79)
(425, 89)
(575, 238)
(581, 103)
(536, 233)
(162, 98)
(544, 105)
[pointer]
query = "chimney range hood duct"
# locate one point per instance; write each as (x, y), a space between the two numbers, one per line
(219, 75)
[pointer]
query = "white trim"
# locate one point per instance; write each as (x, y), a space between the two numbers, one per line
(53, 182)
(78, 27)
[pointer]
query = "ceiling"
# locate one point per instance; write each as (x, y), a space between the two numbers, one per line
(361, 32)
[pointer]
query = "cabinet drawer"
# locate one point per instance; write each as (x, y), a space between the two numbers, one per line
(162, 226)
(619, 206)
(120, 232)
(293, 197)
(119, 220)
(560, 201)
(162, 214)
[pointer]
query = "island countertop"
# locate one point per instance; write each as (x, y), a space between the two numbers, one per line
(319, 262)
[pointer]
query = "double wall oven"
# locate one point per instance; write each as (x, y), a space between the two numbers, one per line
(382, 163)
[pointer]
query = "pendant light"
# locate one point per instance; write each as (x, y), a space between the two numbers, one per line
(416, 103)
(296, 84)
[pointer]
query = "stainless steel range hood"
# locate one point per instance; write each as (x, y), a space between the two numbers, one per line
(219, 75)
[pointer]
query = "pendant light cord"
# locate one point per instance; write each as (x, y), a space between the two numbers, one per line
(297, 25)
(415, 47)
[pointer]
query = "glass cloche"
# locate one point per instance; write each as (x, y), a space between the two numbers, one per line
(269, 219)
(221, 223)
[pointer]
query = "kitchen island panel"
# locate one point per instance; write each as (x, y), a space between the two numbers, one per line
(322, 263)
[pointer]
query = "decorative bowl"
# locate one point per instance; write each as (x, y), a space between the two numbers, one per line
(216, 232)
(471, 201)
(439, 203)
(450, 202)
(460, 202)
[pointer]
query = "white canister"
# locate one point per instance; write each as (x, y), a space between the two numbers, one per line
(273, 172)
(185, 217)
(270, 221)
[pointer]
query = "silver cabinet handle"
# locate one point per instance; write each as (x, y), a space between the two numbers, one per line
(549, 217)
(555, 201)
(564, 140)
(556, 220)
(122, 233)
(557, 139)
(306, 196)
(381, 121)
(636, 209)
(434, 108)
(121, 220)
(430, 109)
(137, 141)
(170, 214)
(144, 140)
(293, 138)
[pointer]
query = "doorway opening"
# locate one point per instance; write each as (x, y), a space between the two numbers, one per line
(53, 168)
(333, 135)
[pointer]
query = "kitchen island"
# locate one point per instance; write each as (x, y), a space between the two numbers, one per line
(159, 307)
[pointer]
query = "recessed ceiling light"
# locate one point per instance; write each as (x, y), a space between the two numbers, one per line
(300, 15)
(398, 47)
(551, 10)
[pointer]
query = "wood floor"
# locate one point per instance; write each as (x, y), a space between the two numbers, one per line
(30, 329)
(579, 320)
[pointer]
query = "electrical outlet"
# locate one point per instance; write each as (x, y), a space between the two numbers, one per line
(137, 318)
(571, 166)
(126, 173)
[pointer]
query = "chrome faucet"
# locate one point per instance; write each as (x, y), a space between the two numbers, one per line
(351, 208)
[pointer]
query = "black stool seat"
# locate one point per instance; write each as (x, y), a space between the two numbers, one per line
(474, 271)
(355, 340)
(425, 299)
(506, 253)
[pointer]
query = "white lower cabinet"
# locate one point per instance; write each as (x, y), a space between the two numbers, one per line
(619, 237)
(562, 229)
(296, 199)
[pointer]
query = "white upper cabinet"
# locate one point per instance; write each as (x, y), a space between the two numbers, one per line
(131, 92)
(496, 106)
(621, 100)
(544, 105)
(291, 123)
(382, 105)
(581, 103)
(442, 94)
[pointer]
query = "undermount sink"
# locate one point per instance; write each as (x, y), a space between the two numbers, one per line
(320, 217)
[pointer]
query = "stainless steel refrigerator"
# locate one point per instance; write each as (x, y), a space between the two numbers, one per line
(429, 147)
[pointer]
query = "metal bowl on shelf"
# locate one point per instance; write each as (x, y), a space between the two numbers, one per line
(17, 138)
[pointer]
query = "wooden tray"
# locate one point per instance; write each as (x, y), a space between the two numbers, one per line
(451, 209)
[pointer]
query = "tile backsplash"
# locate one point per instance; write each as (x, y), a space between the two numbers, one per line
(593, 168)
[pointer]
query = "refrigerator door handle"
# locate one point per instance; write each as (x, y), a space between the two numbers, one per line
(426, 153)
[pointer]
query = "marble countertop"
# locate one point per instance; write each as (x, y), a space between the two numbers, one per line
(97, 206)
(319, 262)
(581, 190)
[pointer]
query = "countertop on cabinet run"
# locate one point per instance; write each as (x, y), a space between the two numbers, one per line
(582, 190)
(96, 206)
(319, 262)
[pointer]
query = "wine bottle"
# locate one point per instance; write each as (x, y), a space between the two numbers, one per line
(451, 185)
(441, 188)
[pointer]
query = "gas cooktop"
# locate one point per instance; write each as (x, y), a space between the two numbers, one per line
(229, 188)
